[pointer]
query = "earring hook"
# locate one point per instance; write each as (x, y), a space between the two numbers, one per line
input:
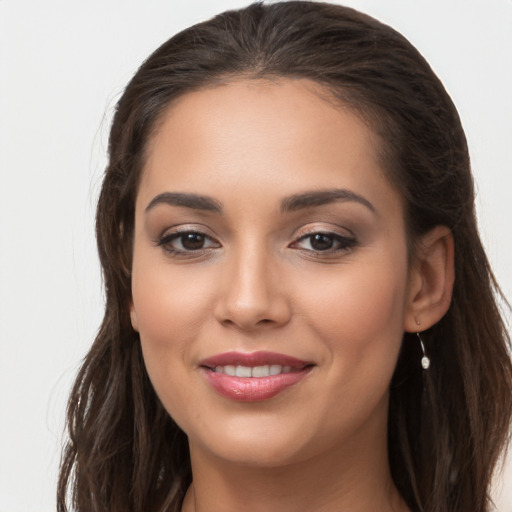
(425, 361)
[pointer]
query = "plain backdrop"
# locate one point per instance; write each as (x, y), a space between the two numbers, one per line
(63, 64)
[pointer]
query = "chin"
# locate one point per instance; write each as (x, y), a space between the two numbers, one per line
(253, 441)
(256, 453)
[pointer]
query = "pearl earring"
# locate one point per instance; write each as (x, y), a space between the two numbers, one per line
(425, 361)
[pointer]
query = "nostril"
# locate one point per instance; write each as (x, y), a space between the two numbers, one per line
(251, 310)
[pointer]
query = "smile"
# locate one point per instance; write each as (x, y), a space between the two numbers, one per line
(253, 377)
(254, 372)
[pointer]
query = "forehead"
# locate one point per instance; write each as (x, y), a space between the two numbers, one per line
(262, 136)
(288, 107)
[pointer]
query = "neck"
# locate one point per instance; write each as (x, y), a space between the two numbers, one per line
(356, 478)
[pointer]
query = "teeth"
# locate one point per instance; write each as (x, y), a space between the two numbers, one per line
(230, 370)
(275, 369)
(253, 371)
(243, 371)
(261, 371)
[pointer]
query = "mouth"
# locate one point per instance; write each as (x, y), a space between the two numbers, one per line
(255, 376)
(256, 372)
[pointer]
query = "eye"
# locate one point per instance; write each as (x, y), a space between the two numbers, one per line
(324, 242)
(189, 241)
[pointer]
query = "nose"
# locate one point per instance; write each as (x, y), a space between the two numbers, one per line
(251, 295)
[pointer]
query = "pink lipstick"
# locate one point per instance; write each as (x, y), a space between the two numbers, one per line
(255, 376)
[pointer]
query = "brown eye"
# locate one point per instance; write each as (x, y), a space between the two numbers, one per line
(324, 242)
(183, 242)
(192, 241)
(321, 242)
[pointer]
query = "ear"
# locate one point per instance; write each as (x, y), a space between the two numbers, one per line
(133, 317)
(431, 279)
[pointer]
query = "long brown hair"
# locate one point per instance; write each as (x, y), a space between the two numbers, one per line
(447, 426)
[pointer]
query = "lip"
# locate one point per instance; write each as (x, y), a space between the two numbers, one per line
(253, 389)
(253, 359)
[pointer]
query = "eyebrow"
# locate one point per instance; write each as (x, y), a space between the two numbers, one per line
(288, 204)
(321, 197)
(194, 201)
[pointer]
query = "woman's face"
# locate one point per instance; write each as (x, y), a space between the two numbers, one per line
(270, 273)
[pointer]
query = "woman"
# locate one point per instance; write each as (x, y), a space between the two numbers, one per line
(300, 314)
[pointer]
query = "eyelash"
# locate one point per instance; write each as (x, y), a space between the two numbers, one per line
(166, 243)
(343, 243)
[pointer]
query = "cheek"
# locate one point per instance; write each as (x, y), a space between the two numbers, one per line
(358, 318)
(170, 309)
(170, 302)
(358, 313)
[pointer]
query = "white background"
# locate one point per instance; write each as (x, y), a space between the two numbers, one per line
(62, 66)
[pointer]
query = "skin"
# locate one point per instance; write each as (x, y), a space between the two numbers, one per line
(259, 283)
